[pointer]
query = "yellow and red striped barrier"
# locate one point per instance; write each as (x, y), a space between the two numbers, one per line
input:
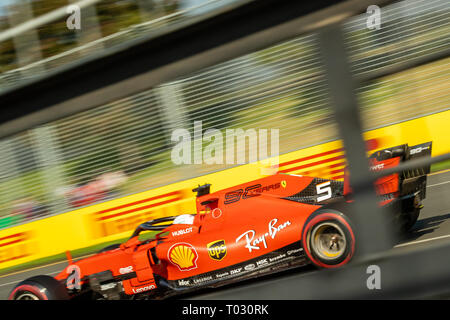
(115, 219)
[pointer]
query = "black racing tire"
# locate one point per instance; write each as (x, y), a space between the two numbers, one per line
(328, 239)
(408, 220)
(110, 247)
(39, 288)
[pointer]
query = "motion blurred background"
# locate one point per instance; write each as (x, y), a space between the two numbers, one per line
(123, 147)
(126, 144)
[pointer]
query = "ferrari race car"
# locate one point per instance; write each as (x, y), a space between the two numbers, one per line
(256, 228)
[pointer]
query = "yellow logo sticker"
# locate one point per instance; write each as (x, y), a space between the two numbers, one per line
(184, 256)
(217, 250)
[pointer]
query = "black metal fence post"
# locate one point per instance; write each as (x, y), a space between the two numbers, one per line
(373, 236)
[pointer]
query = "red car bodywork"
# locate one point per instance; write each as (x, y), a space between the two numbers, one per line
(270, 223)
(239, 232)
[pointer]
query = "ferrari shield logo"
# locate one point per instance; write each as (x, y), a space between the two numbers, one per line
(217, 250)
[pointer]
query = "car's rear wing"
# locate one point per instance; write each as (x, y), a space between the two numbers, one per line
(417, 151)
(405, 182)
(415, 180)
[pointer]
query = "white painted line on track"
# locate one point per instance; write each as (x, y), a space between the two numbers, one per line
(430, 239)
(13, 282)
(55, 263)
(438, 184)
(421, 241)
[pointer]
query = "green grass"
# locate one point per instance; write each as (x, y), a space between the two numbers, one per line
(440, 166)
(95, 248)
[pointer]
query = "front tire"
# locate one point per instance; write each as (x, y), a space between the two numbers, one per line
(39, 288)
(328, 239)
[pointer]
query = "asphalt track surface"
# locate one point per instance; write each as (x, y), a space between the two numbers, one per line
(433, 226)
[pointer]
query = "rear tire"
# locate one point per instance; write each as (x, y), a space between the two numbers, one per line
(39, 288)
(410, 213)
(328, 239)
(409, 219)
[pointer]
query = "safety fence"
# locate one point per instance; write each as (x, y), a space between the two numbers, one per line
(92, 177)
(116, 219)
(155, 17)
(125, 147)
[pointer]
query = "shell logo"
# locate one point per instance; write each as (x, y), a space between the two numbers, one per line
(183, 255)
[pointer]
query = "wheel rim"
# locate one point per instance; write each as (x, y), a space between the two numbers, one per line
(328, 241)
(27, 296)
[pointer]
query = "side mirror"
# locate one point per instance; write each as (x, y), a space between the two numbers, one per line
(202, 190)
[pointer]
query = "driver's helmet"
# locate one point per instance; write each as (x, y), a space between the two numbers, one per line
(184, 219)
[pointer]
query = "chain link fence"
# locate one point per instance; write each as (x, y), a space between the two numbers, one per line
(125, 147)
(188, 11)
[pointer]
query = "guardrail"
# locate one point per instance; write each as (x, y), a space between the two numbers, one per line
(115, 219)
(154, 27)
(126, 144)
(345, 108)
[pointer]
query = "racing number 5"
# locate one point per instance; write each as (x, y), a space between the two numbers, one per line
(323, 188)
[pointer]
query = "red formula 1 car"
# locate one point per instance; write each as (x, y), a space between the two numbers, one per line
(264, 226)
